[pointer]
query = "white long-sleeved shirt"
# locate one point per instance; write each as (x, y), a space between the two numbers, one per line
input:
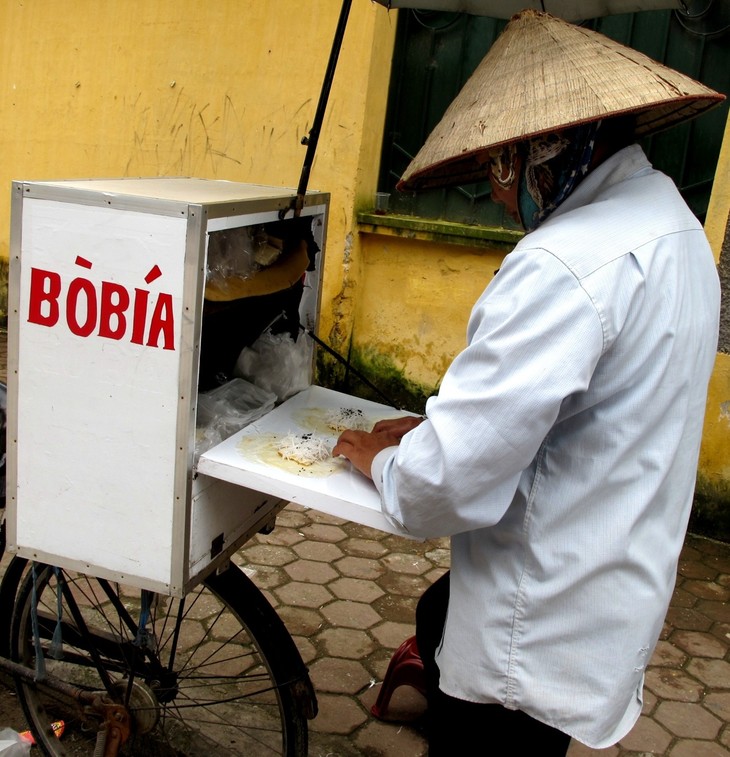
(561, 453)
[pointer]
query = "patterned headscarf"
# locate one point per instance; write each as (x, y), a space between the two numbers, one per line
(552, 167)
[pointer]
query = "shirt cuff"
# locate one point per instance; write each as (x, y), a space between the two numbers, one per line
(378, 465)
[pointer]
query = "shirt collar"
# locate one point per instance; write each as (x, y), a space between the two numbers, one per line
(620, 166)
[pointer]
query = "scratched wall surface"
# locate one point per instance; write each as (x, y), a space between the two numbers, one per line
(162, 88)
(221, 90)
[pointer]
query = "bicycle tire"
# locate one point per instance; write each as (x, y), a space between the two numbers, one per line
(8, 588)
(219, 676)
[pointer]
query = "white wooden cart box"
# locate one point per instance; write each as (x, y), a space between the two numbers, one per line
(106, 303)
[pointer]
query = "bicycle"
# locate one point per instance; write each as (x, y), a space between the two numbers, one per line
(215, 672)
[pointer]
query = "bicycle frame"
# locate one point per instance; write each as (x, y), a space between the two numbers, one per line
(115, 718)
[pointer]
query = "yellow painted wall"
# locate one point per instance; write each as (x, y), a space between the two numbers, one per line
(715, 455)
(719, 206)
(414, 300)
(224, 89)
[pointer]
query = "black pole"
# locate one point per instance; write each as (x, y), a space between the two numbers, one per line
(311, 140)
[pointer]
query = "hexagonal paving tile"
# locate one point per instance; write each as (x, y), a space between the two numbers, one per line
(675, 685)
(713, 673)
(299, 594)
(324, 532)
(699, 644)
(687, 720)
(345, 642)
(339, 676)
(719, 704)
(379, 738)
(301, 620)
(337, 714)
(400, 583)
(359, 567)
(320, 551)
(707, 590)
(281, 536)
(356, 589)
(364, 548)
(309, 571)
(269, 554)
(647, 737)
(667, 654)
(404, 563)
(350, 614)
(393, 634)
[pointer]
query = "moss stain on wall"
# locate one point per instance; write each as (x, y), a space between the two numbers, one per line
(391, 383)
(711, 509)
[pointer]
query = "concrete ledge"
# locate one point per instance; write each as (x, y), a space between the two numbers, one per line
(438, 231)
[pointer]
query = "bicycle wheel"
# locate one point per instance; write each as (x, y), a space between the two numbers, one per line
(214, 673)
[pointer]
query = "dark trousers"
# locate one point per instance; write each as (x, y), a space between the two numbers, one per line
(459, 727)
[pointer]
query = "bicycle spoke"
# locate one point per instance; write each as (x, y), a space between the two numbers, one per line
(200, 687)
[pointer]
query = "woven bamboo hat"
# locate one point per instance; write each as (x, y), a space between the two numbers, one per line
(543, 74)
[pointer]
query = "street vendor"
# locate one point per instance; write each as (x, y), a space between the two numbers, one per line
(561, 451)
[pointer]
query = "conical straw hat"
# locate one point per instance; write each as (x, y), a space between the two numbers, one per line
(540, 75)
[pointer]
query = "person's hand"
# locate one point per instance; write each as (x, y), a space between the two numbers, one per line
(397, 428)
(361, 447)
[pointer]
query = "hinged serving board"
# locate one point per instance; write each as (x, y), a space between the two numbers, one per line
(249, 458)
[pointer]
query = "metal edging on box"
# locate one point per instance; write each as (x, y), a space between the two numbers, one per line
(16, 231)
(193, 288)
(58, 192)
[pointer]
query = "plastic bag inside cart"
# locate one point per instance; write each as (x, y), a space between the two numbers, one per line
(255, 284)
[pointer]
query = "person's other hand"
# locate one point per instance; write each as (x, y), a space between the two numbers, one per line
(397, 428)
(361, 447)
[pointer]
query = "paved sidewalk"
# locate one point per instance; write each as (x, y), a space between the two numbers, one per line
(347, 593)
